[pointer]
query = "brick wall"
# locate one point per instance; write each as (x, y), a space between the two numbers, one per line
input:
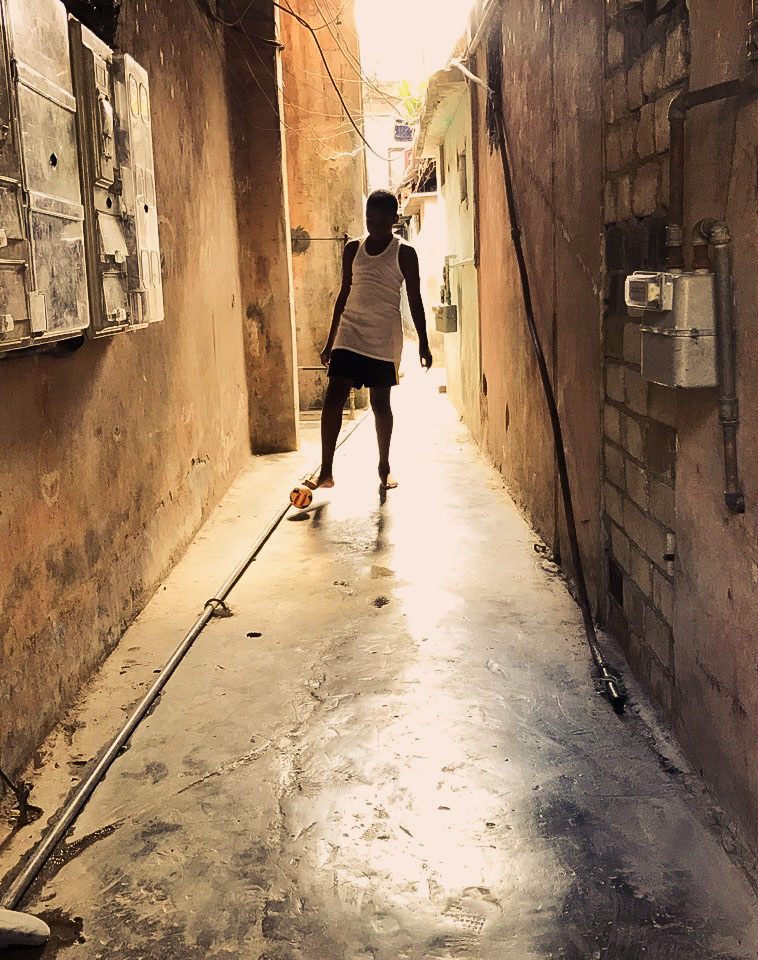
(647, 61)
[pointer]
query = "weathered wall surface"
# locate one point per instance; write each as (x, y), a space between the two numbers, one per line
(461, 347)
(716, 611)
(259, 163)
(112, 457)
(690, 635)
(515, 427)
(325, 167)
(551, 84)
(646, 64)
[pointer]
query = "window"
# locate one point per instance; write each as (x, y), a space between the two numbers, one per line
(462, 177)
(403, 132)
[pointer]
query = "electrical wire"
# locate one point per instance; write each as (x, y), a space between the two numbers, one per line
(294, 130)
(234, 23)
(239, 22)
(308, 27)
(268, 100)
(335, 16)
(352, 61)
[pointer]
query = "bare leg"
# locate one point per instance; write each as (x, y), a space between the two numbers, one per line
(331, 423)
(380, 404)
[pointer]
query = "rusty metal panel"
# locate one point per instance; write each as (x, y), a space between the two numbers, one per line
(105, 224)
(58, 249)
(39, 40)
(116, 164)
(40, 179)
(9, 163)
(48, 145)
(139, 195)
(14, 313)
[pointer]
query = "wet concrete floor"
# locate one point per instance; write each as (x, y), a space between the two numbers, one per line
(393, 750)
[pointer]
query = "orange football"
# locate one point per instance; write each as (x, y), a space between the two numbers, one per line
(301, 497)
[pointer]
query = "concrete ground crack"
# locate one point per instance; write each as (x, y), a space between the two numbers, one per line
(228, 767)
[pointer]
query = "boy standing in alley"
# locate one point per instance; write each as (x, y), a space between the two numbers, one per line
(366, 337)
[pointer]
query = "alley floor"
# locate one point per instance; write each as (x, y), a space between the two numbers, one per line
(394, 748)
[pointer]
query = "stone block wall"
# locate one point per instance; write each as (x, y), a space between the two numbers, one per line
(646, 64)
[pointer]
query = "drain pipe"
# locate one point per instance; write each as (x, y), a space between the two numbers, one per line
(15, 892)
(716, 234)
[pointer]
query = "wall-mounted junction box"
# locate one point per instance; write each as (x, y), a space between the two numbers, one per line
(79, 249)
(446, 314)
(446, 318)
(678, 313)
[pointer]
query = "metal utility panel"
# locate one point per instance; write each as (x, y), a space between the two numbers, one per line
(678, 327)
(446, 318)
(116, 162)
(43, 291)
(138, 181)
(106, 224)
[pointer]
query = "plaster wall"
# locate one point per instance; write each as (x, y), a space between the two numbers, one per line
(427, 234)
(325, 175)
(462, 347)
(259, 164)
(112, 457)
(551, 84)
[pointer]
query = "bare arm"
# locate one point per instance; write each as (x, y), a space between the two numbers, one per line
(408, 260)
(348, 255)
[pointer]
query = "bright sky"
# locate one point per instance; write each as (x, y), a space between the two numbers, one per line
(408, 39)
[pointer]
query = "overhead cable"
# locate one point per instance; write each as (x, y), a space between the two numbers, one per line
(345, 107)
(353, 62)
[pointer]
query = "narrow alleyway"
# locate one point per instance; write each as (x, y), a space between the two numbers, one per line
(393, 749)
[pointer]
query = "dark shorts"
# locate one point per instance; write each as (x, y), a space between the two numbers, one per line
(363, 371)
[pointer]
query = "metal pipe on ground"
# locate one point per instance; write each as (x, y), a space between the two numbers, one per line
(21, 883)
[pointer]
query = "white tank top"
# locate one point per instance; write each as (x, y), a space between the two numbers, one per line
(371, 323)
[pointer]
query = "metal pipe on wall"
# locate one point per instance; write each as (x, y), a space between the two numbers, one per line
(678, 109)
(716, 234)
(675, 226)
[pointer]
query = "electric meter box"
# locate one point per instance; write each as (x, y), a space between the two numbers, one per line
(446, 318)
(139, 199)
(118, 185)
(678, 327)
(43, 286)
(79, 247)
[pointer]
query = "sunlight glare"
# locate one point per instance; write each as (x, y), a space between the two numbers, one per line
(409, 39)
